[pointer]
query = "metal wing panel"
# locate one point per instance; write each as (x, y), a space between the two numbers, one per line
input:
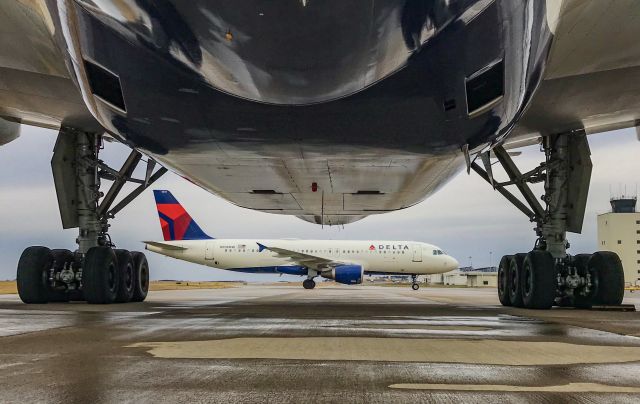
(306, 260)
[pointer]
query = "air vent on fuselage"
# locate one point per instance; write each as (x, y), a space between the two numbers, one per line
(368, 193)
(264, 192)
(105, 85)
(485, 88)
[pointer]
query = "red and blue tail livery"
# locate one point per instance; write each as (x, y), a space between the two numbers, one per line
(176, 223)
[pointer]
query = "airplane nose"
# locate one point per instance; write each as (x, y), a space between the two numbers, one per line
(452, 263)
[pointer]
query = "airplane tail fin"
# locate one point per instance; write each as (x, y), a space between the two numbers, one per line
(176, 223)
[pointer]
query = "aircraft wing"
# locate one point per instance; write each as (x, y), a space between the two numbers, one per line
(592, 78)
(306, 260)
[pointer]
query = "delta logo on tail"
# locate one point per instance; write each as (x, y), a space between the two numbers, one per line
(176, 223)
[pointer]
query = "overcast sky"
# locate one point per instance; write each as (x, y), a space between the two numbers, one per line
(466, 218)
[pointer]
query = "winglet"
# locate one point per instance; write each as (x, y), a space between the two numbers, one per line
(262, 247)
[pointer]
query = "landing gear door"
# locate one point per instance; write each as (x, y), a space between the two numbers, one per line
(417, 253)
(208, 254)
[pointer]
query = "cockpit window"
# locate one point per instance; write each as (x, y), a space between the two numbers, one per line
(438, 252)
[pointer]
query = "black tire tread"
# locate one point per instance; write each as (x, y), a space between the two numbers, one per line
(544, 280)
(94, 279)
(610, 278)
(503, 292)
(31, 288)
(139, 293)
(124, 294)
(516, 298)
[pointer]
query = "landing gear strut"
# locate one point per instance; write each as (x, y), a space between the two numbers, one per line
(414, 283)
(95, 272)
(547, 275)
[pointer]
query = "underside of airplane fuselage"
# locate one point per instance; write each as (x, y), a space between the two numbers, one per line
(330, 111)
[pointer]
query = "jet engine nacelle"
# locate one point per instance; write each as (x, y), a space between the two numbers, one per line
(346, 274)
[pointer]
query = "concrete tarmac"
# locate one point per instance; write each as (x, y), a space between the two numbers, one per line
(332, 344)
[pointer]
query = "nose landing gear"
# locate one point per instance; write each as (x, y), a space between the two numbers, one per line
(414, 283)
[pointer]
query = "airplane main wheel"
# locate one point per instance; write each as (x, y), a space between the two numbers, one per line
(513, 278)
(100, 275)
(415, 286)
(539, 280)
(503, 280)
(126, 276)
(140, 276)
(610, 275)
(308, 284)
(33, 275)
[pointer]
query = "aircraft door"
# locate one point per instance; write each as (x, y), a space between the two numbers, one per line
(417, 252)
(208, 254)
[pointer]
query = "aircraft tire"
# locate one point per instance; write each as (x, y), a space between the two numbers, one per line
(415, 286)
(538, 280)
(32, 275)
(503, 280)
(140, 276)
(610, 275)
(513, 277)
(100, 275)
(126, 276)
(308, 284)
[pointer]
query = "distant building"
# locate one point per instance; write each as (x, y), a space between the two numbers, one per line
(455, 278)
(479, 279)
(467, 276)
(619, 231)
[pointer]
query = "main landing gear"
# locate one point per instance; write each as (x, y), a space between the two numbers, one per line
(547, 275)
(414, 282)
(96, 271)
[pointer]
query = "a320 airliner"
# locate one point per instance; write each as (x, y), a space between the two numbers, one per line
(345, 261)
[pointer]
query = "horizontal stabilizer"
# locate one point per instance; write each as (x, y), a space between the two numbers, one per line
(164, 246)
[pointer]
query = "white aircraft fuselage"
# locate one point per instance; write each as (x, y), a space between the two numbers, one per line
(245, 255)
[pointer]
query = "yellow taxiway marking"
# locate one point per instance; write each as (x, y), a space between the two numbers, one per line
(490, 352)
(563, 388)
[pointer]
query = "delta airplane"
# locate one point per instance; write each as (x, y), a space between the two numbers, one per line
(345, 261)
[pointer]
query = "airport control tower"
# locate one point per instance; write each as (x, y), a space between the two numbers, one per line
(619, 231)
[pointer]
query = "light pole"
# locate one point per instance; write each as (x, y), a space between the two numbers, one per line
(490, 258)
